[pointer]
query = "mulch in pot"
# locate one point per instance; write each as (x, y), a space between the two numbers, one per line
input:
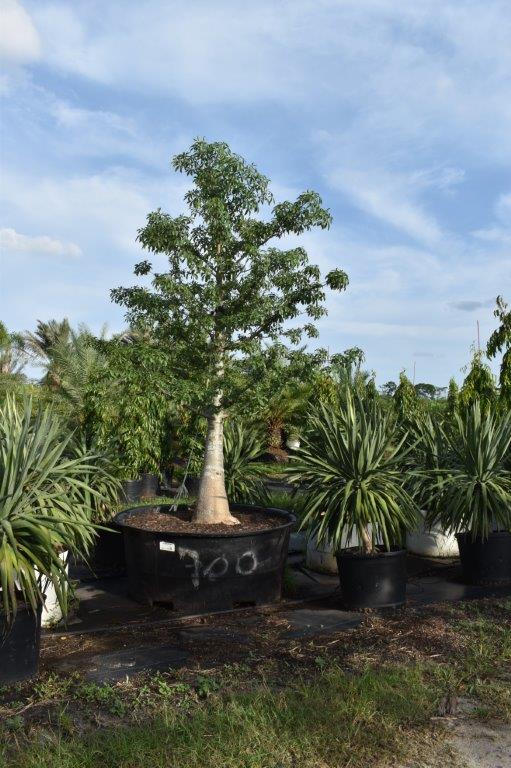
(163, 520)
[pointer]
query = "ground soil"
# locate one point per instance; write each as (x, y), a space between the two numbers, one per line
(163, 519)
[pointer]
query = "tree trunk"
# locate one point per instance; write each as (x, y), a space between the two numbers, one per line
(367, 543)
(212, 504)
(275, 427)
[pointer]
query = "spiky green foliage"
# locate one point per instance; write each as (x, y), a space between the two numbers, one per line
(475, 490)
(101, 485)
(44, 504)
(243, 445)
(430, 452)
(500, 342)
(295, 501)
(352, 467)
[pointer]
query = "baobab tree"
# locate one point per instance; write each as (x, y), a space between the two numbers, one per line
(227, 287)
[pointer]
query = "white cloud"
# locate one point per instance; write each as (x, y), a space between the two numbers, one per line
(85, 119)
(19, 40)
(103, 210)
(13, 242)
(425, 69)
(390, 199)
(500, 231)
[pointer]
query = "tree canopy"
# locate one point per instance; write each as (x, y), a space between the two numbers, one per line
(228, 285)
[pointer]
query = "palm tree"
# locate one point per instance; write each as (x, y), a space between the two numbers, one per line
(41, 343)
(77, 360)
(71, 360)
(12, 352)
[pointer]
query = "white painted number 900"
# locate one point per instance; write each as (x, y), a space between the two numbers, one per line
(218, 567)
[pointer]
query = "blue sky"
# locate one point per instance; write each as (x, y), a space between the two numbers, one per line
(399, 114)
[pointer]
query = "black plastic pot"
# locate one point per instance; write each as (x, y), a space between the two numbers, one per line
(192, 483)
(149, 485)
(207, 572)
(486, 561)
(131, 490)
(108, 550)
(19, 645)
(372, 581)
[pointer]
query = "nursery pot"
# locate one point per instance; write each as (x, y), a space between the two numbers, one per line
(19, 645)
(192, 483)
(108, 549)
(372, 581)
(321, 558)
(149, 485)
(51, 612)
(431, 542)
(486, 561)
(207, 571)
(131, 490)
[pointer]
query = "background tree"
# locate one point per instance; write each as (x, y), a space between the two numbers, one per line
(429, 391)
(479, 384)
(275, 387)
(500, 342)
(406, 400)
(227, 286)
(388, 389)
(12, 352)
(133, 401)
(453, 396)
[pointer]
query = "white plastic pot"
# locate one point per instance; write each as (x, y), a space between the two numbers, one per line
(321, 558)
(431, 543)
(52, 612)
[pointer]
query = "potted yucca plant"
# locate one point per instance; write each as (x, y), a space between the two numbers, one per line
(44, 510)
(471, 497)
(352, 466)
(430, 452)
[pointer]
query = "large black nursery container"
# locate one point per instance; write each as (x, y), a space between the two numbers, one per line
(131, 490)
(149, 485)
(486, 561)
(108, 550)
(372, 581)
(19, 645)
(207, 571)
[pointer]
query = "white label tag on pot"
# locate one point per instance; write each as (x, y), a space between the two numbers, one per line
(167, 546)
